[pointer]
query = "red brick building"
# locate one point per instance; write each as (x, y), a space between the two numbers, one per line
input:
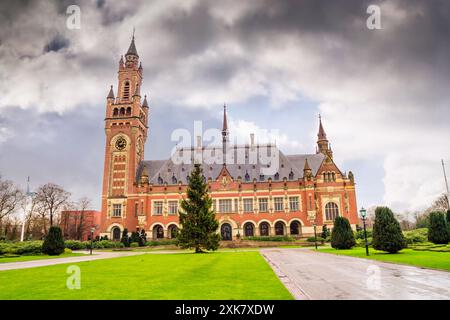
(300, 191)
(76, 224)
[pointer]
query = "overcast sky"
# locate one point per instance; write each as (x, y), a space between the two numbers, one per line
(383, 94)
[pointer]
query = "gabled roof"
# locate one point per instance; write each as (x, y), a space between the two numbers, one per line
(289, 166)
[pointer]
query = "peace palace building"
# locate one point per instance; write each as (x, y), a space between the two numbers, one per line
(303, 189)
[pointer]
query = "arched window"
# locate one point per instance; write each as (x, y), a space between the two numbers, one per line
(325, 177)
(225, 232)
(128, 111)
(329, 176)
(279, 228)
(122, 111)
(126, 90)
(295, 228)
(173, 231)
(334, 176)
(264, 229)
(249, 229)
(331, 211)
(158, 232)
(115, 112)
(116, 234)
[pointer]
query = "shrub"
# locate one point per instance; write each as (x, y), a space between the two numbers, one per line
(269, 238)
(342, 235)
(416, 236)
(387, 235)
(142, 238)
(54, 243)
(325, 232)
(67, 251)
(134, 244)
(134, 237)
(74, 244)
(21, 248)
(362, 243)
(360, 234)
(313, 239)
(438, 233)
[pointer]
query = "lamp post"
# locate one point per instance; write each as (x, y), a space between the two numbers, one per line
(363, 214)
(92, 238)
(315, 234)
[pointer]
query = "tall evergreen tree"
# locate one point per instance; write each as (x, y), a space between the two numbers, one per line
(125, 239)
(387, 234)
(342, 236)
(325, 231)
(54, 243)
(437, 232)
(198, 221)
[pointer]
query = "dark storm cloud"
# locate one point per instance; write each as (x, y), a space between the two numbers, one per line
(57, 43)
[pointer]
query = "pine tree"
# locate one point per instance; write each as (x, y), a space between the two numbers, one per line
(125, 240)
(325, 231)
(437, 232)
(198, 221)
(54, 243)
(387, 234)
(342, 236)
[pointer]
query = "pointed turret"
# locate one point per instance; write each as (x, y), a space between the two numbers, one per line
(322, 141)
(307, 172)
(111, 93)
(145, 103)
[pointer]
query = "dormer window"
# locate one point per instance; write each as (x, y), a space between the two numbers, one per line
(291, 175)
(174, 179)
(276, 176)
(160, 180)
(247, 176)
(261, 177)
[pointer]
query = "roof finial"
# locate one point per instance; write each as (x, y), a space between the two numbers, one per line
(321, 135)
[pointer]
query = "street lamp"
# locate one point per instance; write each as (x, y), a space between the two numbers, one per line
(315, 234)
(363, 214)
(92, 238)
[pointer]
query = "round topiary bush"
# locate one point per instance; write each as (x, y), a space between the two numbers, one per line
(342, 234)
(437, 232)
(54, 243)
(387, 234)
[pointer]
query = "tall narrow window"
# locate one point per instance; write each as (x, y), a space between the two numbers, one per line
(117, 210)
(157, 208)
(293, 203)
(263, 204)
(331, 211)
(248, 205)
(278, 204)
(126, 90)
(173, 207)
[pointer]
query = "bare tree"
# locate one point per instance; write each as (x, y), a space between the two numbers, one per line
(10, 198)
(52, 199)
(82, 205)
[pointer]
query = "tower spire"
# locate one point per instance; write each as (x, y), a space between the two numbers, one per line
(224, 134)
(322, 141)
(132, 48)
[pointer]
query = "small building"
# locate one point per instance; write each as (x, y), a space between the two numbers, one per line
(77, 224)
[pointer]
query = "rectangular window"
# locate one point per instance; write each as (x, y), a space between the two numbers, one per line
(248, 205)
(173, 207)
(293, 203)
(278, 204)
(214, 205)
(136, 208)
(263, 204)
(236, 205)
(157, 208)
(117, 210)
(225, 206)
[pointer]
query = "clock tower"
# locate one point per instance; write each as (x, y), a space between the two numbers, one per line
(126, 132)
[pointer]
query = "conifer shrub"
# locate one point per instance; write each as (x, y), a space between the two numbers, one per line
(387, 234)
(53, 243)
(438, 232)
(342, 234)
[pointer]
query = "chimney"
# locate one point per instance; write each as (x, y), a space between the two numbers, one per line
(252, 140)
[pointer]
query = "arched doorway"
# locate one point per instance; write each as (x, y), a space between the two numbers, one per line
(264, 229)
(295, 227)
(116, 233)
(158, 232)
(173, 231)
(249, 229)
(279, 228)
(225, 232)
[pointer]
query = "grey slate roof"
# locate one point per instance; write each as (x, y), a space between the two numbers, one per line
(289, 166)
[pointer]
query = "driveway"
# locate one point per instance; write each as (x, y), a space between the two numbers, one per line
(321, 276)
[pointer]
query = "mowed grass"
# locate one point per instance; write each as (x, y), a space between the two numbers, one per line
(7, 259)
(426, 259)
(224, 275)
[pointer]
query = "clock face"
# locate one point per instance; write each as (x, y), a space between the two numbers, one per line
(121, 143)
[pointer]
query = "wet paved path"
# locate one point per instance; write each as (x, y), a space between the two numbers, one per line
(49, 262)
(313, 275)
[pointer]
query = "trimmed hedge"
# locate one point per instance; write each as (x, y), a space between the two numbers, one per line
(313, 239)
(269, 238)
(416, 236)
(21, 248)
(160, 242)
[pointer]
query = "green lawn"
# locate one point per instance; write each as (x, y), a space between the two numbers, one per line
(220, 275)
(4, 259)
(426, 259)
